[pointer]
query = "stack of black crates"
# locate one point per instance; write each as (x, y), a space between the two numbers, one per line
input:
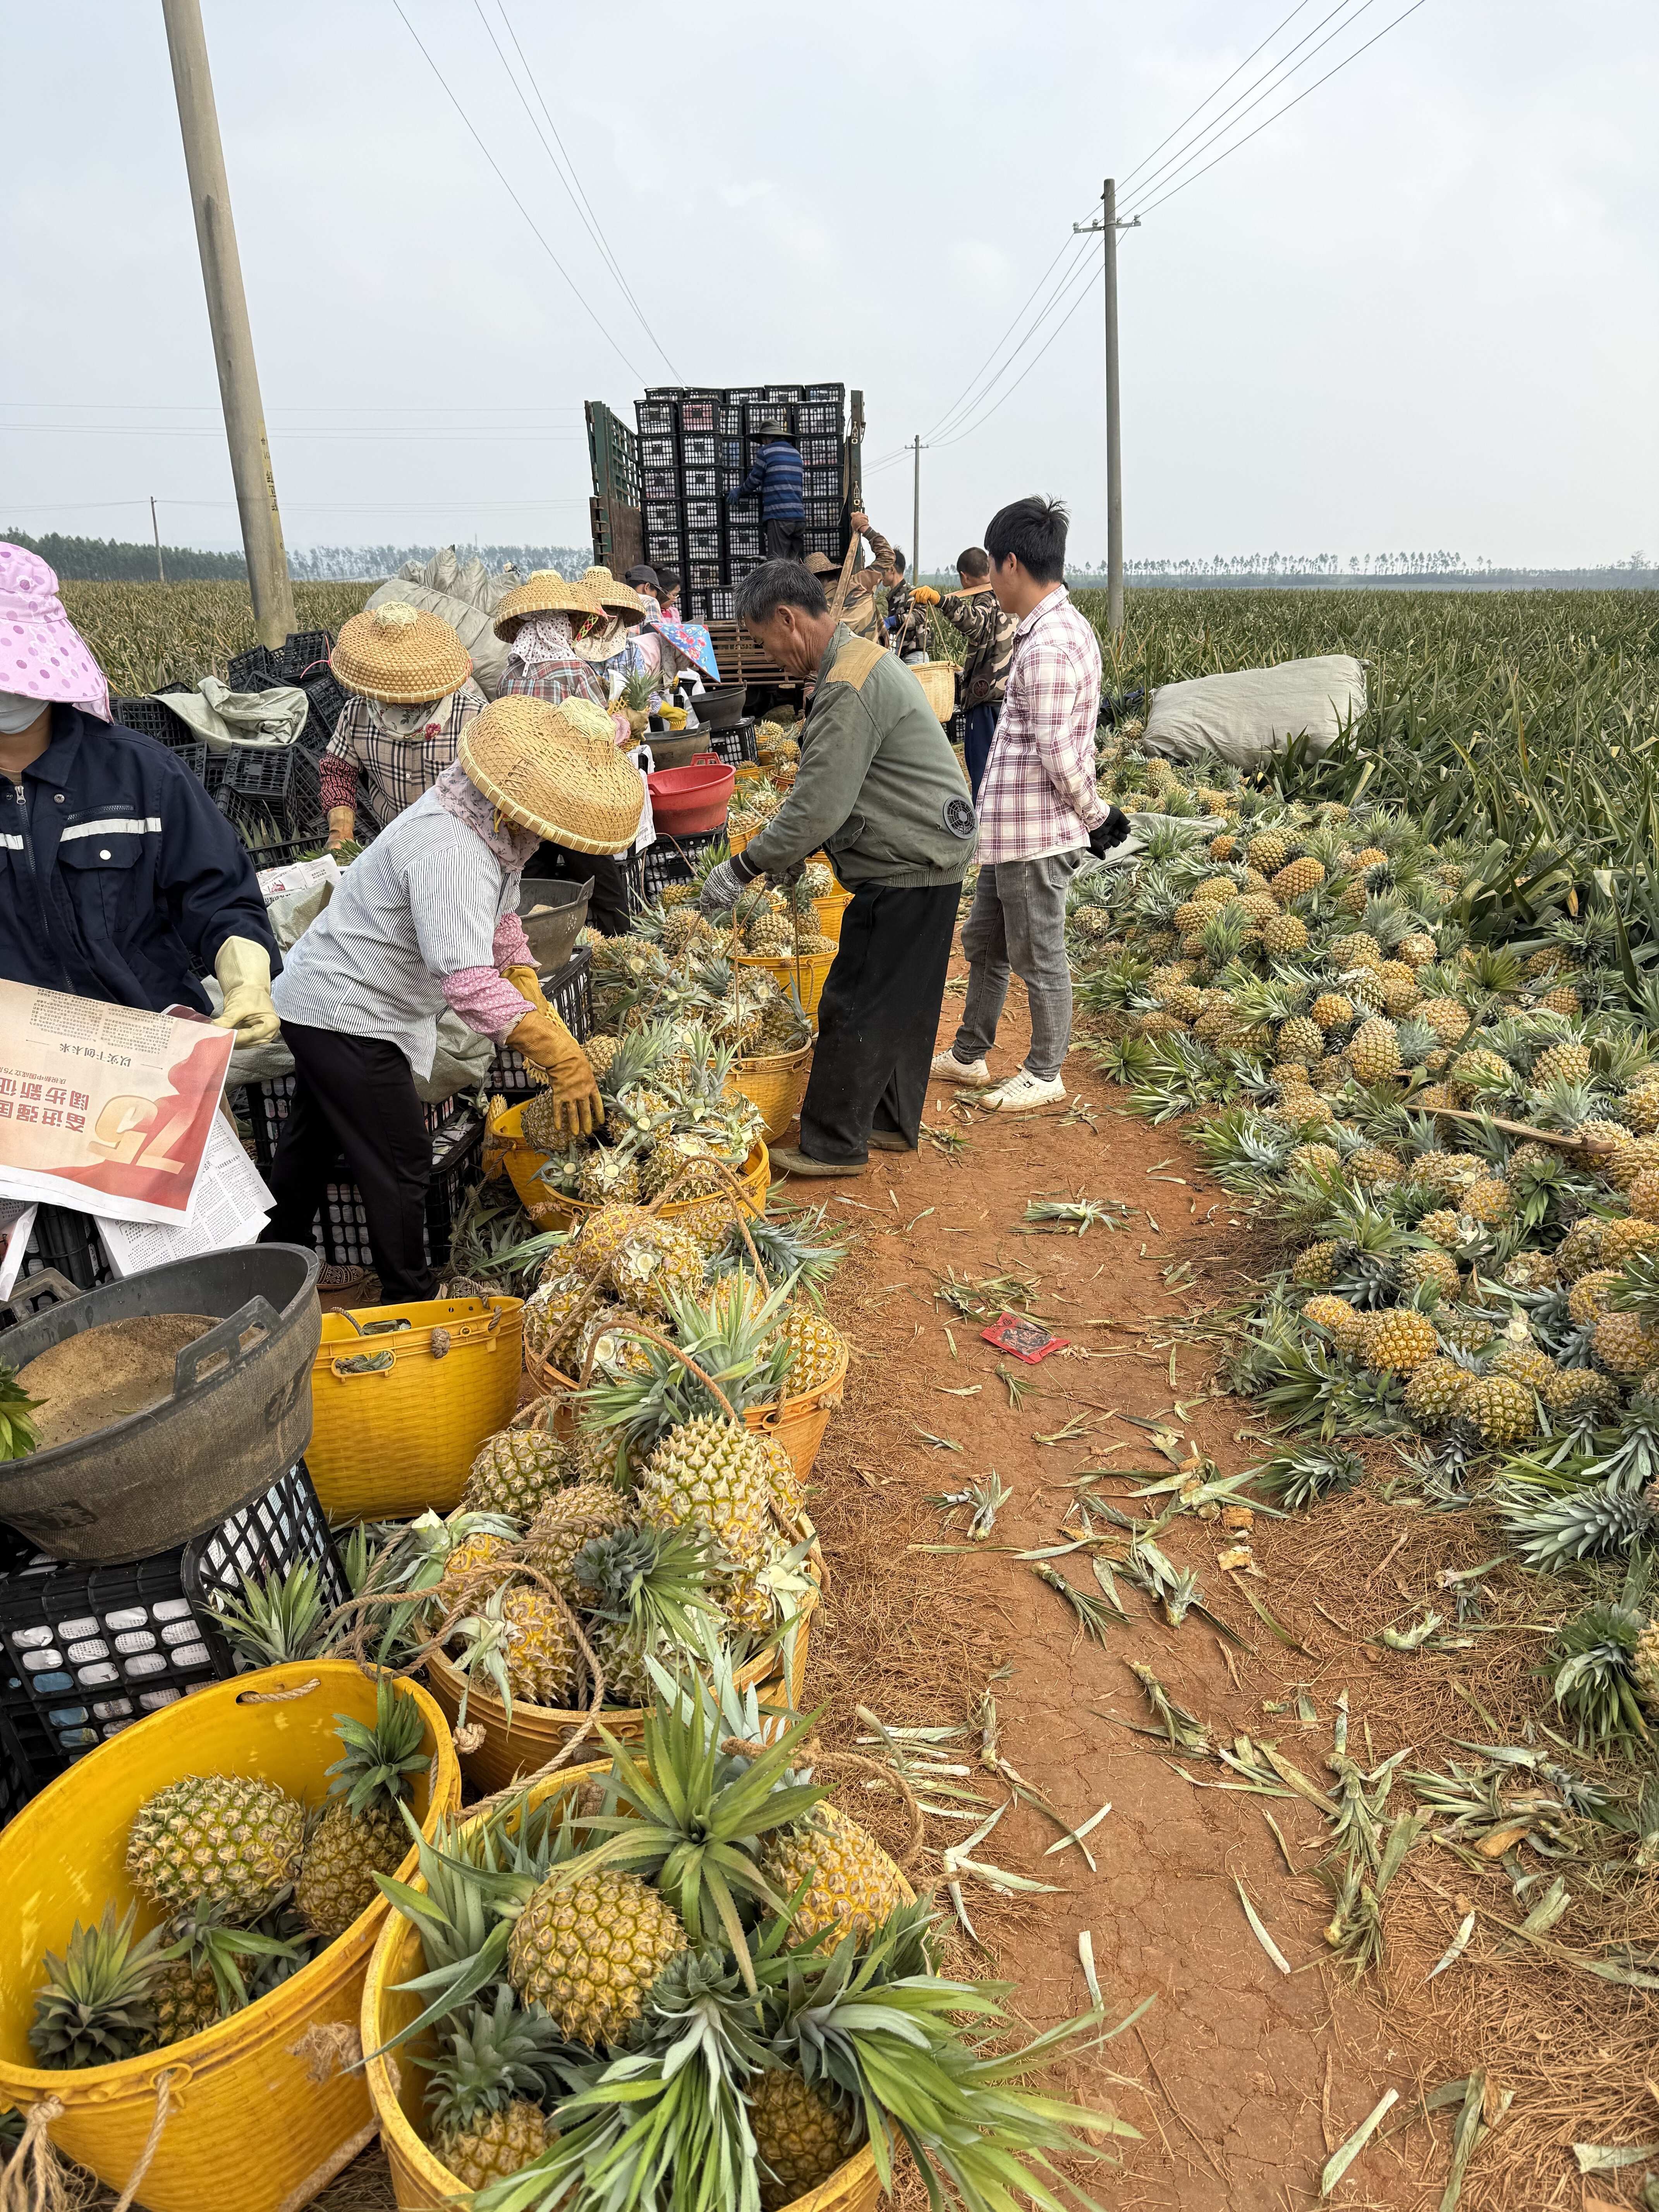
(695, 449)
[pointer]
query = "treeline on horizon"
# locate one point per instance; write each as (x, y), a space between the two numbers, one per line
(118, 561)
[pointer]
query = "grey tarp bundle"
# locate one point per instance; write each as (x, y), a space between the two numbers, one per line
(229, 719)
(1248, 715)
(463, 1058)
(466, 596)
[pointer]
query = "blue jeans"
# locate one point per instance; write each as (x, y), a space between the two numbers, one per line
(981, 728)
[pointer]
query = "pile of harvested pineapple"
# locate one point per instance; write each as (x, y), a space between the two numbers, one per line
(251, 1884)
(1459, 1140)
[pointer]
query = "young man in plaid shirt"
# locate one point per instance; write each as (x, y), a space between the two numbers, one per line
(1040, 814)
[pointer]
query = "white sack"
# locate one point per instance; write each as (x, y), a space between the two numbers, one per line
(1246, 716)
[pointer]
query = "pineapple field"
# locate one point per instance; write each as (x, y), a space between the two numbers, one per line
(1209, 1762)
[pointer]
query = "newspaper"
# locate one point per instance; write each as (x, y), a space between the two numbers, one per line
(17, 1227)
(298, 875)
(231, 1205)
(103, 1109)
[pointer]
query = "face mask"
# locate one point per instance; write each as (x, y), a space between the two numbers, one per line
(16, 712)
(404, 721)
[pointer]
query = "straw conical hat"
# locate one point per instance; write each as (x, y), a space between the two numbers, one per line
(544, 593)
(617, 598)
(398, 654)
(555, 770)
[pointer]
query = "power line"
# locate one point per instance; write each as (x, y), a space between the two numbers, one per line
(1094, 273)
(1221, 88)
(1286, 110)
(575, 289)
(572, 183)
(213, 407)
(997, 347)
(1184, 156)
(984, 384)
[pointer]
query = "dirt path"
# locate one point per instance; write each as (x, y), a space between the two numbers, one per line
(1231, 2063)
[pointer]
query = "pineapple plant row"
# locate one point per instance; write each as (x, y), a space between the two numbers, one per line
(705, 1901)
(245, 1885)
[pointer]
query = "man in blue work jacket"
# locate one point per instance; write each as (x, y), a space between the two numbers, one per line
(120, 879)
(774, 475)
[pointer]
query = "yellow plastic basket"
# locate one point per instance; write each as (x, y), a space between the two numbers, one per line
(807, 972)
(251, 2122)
(829, 911)
(776, 1083)
(398, 1414)
(420, 2182)
(551, 1209)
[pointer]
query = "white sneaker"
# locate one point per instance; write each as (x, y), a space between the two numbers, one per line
(950, 1069)
(1023, 1091)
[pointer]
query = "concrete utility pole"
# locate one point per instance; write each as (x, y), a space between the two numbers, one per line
(156, 533)
(916, 515)
(233, 340)
(1108, 227)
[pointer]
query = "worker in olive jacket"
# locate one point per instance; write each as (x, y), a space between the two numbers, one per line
(879, 790)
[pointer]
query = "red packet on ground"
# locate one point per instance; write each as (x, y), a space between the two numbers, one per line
(1026, 1340)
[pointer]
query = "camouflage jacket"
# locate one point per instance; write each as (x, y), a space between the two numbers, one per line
(988, 634)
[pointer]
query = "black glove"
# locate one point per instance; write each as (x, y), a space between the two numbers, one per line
(1112, 831)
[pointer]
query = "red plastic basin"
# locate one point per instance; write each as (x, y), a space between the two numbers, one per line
(694, 798)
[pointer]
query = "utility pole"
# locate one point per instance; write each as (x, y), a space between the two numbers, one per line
(1108, 227)
(232, 339)
(156, 533)
(915, 516)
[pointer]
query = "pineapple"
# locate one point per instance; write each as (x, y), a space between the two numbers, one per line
(1526, 1364)
(1375, 1052)
(1589, 1298)
(521, 1640)
(710, 1474)
(1298, 879)
(646, 1592)
(361, 1833)
(516, 1471)
(1315, 1266)
(1268, 852)
(95, 2005)
(850, 1883)
(686, 1161)
(1436, 1268)
(659, 1261)
(1359, 949)
(566, 1523)
(1465, 1332)
(1283, 936)
(1566, 1063)
(818, 1350)
(202, 1981)
(1638, 1109)
(186, 2001)
(1624, 1344)
(609, 1175)
(1488, 1199)
(1374, 1167)
(551, 1315)
(1434, 1393)
(1502, 1410)
(600, 1050)
(1643, 1194)
(1482, 1070)
(1448, 1017)
(1563, 999)
(1346, 1327)
(799, 2136)
(1223, 847)
(1580, 1249)
(587, 1947)
(1399, 996)
(1443, 1227)
(1620, 1238)
(492, 2067)
(1331, 1011)
(1397, 1339)
(216, 1839)
(1644, 1666)
(1418, 949)
(1315, 1159)
(772, 936)
(1215, 889)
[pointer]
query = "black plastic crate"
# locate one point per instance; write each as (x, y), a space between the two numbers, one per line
(570, 996)
(785, 394)
(703, 515)
(821, 449)
(261, 667)
(283, 855)
(656, 454)
(665, 545)
(703, 545)
(744, 395)
(698, 449)
(341, 1230)
(152, 719)
(86, 1651)
(824, 537)
(697, 415)
(653, 416)
(23, 1771)
(815, 392)
(328, 697)
(704, 575)
(265, 1106)
(274, 785)
(821, 487)
(819, 418)
(702, 482)
(737, 744)
(660, 480)
(61, 1243)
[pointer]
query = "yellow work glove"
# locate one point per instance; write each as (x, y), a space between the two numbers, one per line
(528, 985)
(244, 971)
(342, 827)
(925, 596)
(544, 1040)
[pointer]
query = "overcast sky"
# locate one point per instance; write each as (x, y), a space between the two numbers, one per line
(1418, 310)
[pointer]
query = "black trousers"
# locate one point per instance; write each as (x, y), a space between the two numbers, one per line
(355, 1095)
(878, 1020)
(787, 541)
(607, 902)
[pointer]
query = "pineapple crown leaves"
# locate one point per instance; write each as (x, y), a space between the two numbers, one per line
(690, 1814)
(490, 2055)
(93, 2007)
(278, 1620)
(1297, 1478)
(739, 1344)
(370, 1775)
(653, 1582)
(796, 1252)
(1594, 1681)
(1601, 1521)
(17, 1435)
(205, 1938)
(1636, 1290)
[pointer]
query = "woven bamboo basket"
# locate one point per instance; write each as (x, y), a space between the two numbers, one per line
(776, 1083)
(419, 2182)
(807, 971)
(66, 1853)
(937, 678)
(398, 1414)
(551, 1209)
(535, 1734)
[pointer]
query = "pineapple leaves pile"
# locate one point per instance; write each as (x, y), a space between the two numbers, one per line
(244, 1885)
(1439, 1079)
(635, 2007)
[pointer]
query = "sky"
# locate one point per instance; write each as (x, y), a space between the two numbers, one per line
(1418, 310)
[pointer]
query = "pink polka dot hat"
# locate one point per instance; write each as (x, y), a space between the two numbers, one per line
(42, 654)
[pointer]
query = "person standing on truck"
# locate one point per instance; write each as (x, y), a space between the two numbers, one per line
(989, 636)
(860, 610)
(411, 694)
(879, 789)
(774, 477)
(122, 880)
